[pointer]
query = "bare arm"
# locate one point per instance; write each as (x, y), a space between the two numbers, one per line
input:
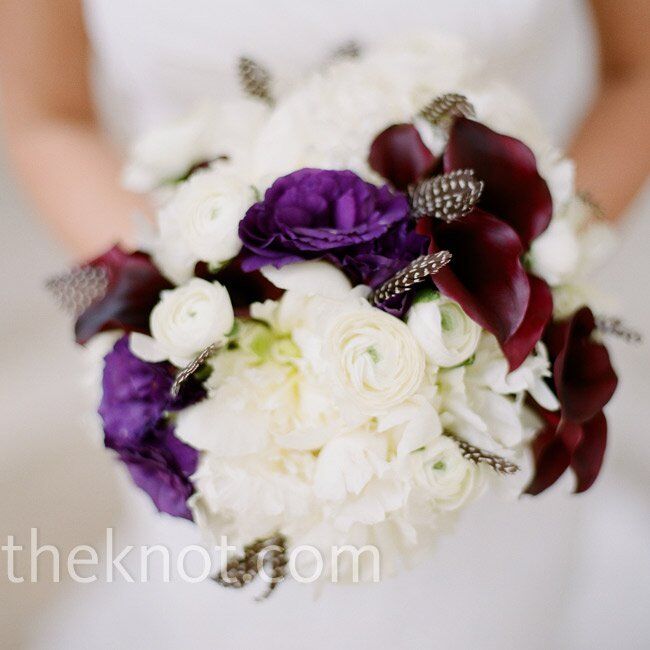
(612, 148)
(67, 166)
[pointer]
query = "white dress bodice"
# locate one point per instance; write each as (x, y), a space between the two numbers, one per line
(156, 59)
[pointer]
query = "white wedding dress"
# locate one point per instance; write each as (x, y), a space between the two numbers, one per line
(524, 574)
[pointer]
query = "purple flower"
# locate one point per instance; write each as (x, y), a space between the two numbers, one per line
(376, 261)
(136, 394)
(315, 214)
(160, 464)
(135, 401)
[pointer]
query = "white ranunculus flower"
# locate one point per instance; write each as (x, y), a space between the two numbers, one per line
(185, 321)
(444, 475)
(375, 360)
(201, 221)
(445, 332)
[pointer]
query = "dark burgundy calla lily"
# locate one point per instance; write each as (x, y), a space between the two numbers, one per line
(485, 275)
(538, 314)
(513, 191)
(584, 378)
(134, 286)
(585, 381)
(588, 456)
(552, 457)
(565, 444)
(399, 155)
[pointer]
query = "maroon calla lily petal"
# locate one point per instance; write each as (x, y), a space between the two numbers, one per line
(551, 460)
(584, 383)
(399, 155)
(134, 286)
(588, 456)
(564, 444)
(485, 275)
(538, 314)
(584, 378)
(514, 191)
(555, 338)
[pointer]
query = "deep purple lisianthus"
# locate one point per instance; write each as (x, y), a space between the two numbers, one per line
(136, 394)
(136, 397)
(160, 464)
(314, 214)
(376, 261)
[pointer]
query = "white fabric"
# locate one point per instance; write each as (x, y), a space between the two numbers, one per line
(157, 58)
(551, 572)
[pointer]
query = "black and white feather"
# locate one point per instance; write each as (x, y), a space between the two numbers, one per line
(615, 327)
(476, 455)
(447, 196)
(185, 373)
(347, 50)
(255, 79)
(76, 290)
(442, 110)
(269, 554)
(415, 273)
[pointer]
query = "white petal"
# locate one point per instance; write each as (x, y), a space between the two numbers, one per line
(146, 348)
(309, 278)
(222, 429)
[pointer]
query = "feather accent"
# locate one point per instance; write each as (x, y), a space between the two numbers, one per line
(474, 454)
(76, 290)
(442, 110)
(185, 373)
(591, 203)
(447, 196)
(415, 273)
(347, 50)
(616, 327)
(269, 555)
(255, 79)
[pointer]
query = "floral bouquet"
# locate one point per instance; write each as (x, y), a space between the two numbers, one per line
(363, 306)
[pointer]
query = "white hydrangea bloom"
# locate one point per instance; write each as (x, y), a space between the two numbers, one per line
(166, 153)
